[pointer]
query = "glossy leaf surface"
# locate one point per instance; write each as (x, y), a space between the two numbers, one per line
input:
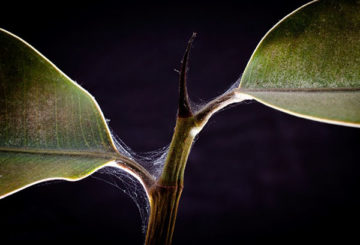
(309, 63)
(50, 128)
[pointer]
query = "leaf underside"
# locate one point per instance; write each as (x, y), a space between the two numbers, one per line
(309, 63)
(19, 170)
(50, 128)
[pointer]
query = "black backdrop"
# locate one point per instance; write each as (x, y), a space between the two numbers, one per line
(254, 174)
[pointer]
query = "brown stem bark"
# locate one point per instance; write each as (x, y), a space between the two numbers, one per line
(165, 201)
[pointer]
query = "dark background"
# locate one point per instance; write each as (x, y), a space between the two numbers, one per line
(254, 174)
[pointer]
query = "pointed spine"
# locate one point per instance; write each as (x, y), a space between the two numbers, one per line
(184, 103)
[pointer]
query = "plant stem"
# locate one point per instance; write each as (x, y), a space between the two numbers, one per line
(164, 204)
(165, 194)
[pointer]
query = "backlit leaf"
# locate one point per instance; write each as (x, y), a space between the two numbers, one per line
(50, 127)
(309, 63)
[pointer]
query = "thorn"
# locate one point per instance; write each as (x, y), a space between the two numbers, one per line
(184, 104)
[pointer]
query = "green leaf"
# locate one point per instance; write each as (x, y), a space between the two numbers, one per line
(50, 127)
(309, 64)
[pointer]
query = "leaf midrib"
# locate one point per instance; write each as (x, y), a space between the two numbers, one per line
(310, 90)
(123, 162)
(57, 152)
